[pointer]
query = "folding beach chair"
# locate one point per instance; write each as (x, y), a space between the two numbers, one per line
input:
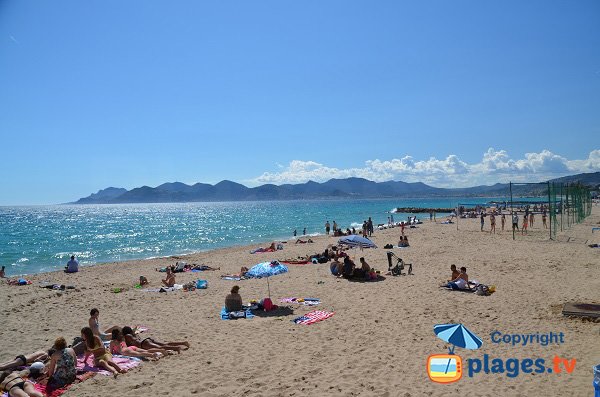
(396, 269)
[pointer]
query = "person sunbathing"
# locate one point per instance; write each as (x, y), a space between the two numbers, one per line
(119, 346)
(363, 271)
(300, 241)
(348, 268)
(169, 281)
(204, 268)
(62, 367)
(23, 360)
(460, 282)
(233, 301)
(455, 273)
(14, 384)
(102, 357)
(242, 273)
(149, 343)
(336, 266)
(95, 325)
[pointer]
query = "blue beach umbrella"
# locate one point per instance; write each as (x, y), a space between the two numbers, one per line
(267, 269)
(356, 241)
(457, 335)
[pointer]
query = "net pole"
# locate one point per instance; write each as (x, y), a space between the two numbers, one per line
(561, 213)
(549, 207)
(511, 209)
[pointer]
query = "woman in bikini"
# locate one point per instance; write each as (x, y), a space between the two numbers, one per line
(148, 343)
(14, 384)
(23, 360)
(118, 346)
(95, 347)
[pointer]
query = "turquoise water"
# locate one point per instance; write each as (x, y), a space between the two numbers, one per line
(42, 238)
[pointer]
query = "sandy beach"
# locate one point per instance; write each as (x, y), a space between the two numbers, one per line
(376, 344)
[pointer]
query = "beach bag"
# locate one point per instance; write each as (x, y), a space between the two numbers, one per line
(202, 284)
(482, 290)
(267, 304)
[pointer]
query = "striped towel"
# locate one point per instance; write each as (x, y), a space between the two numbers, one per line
(313, 317)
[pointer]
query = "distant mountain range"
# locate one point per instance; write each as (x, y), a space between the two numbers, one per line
(177, 192)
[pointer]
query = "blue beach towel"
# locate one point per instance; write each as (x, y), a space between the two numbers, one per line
(225, 314)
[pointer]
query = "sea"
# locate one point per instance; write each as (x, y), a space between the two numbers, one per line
(35, 239)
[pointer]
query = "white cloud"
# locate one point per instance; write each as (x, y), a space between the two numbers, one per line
(495, 166)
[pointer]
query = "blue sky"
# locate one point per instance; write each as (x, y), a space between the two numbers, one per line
(111, 93)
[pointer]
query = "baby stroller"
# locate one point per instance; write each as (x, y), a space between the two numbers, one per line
(396, 269)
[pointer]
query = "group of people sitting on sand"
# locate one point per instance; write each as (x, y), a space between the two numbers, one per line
(59, 363)
(459, 280)
(346, 268)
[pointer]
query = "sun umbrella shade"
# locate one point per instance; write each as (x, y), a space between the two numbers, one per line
(458, 335)
(266, 269)
(356, 241)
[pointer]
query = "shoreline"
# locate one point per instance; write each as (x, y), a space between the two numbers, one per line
(380, 330)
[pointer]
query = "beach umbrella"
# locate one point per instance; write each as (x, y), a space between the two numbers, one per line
(457, 335)
(267, 269)
(356, 241)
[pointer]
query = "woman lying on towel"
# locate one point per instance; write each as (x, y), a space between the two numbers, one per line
(150, 343)
(118, 346)
(241, 274)
(461, 282)
(14, 384)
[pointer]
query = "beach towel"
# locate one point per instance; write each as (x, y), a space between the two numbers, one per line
(234, 278)
(260, 250)
(41, 385)
(226, 316)
(164, 289)
(295, 262)
(302, 301)
(313, 317)
(122, 361)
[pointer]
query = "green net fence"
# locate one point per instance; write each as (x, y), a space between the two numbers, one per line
(566, 205)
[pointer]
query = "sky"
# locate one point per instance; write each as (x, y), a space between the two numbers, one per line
(451, 93)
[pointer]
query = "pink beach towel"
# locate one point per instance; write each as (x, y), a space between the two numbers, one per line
(313, 317)
(122, 361)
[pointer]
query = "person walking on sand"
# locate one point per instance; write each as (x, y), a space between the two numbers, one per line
(524, 228)
(492, 224)
(482, 220)
(502, 221)
(515, 222)
(327, 227)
